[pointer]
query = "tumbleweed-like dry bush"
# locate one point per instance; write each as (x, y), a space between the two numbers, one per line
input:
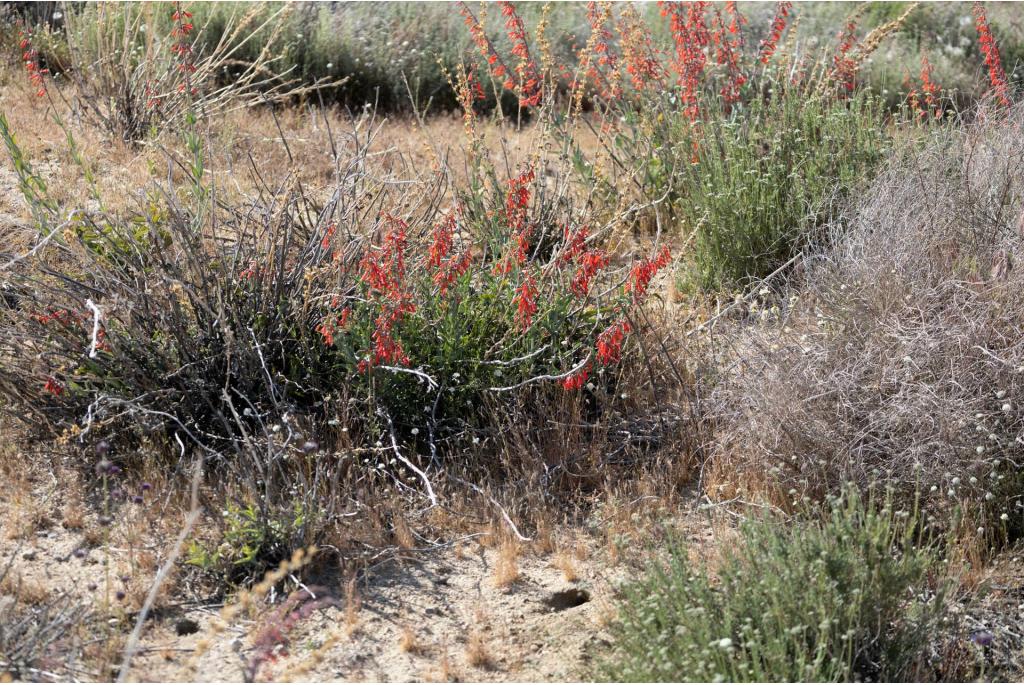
(900, 360)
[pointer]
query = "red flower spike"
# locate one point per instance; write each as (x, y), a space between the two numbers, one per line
(987, 42)
(770, 44)
(526, 302)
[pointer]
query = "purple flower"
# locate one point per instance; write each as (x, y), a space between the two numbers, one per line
(147, 487)
(982, 638)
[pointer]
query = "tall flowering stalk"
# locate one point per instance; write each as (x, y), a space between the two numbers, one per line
(598, 59)
(641, 59)
(691, 38)
(515, 214)
(926, 102)
(383, 273)
(643, 272)
(589, 261)
(182, 47)
(525, 301)
(727, 43)
(446, 265)
(996, 73)
(30, 59)
(770, 44)
(530, 85)
(844, 67)
(499, 71)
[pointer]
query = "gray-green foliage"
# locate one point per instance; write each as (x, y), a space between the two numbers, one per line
(841, 599)
(769, 176)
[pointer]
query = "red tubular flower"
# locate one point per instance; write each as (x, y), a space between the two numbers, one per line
(727, 44)
(529, 86)
(576, 380)
(643, 272)
(332, 324)
(770, 44)
(526, 302)
(996, 74)
(516, 214)
(443, 238)
(844, 67)
(53, 387)
(182, 48)
(383, 271)
(328, 234)
(589, 261)
(447, 267)
(691, 37)
(30, 58)
(638, 53)
(609, 342)
(927, 102)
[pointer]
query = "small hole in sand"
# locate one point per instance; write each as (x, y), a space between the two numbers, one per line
(567, 599)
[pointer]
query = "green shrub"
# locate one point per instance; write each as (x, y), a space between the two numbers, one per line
(769, 177)
(841, 599)
(252, 540)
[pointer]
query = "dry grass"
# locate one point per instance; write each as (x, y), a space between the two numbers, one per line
(564, 562)
(353, 603)
(478, 654)
(407, 641)
(403, 533)
(506, 564)
(26, 591)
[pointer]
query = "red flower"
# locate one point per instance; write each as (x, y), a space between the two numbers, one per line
(30, 58)
(526, 302)
(383, 271)
(53, 387)
(845, 67)
(517, 204)
(691, 37)
(769, 44)
(727, 52)
(589, 261)
(609, 342)
(332, 324)
(576, 380)
(529, 76)
(328, 234)
(930, 105)
(996, 74)
(643, 272)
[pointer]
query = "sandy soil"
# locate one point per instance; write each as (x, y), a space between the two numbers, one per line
(412, 616)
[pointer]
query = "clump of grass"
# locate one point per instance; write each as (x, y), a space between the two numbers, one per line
(766, 182)
(563, 561)
(477, 653)
(842, 599)
(506, 564)
(407, 641)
